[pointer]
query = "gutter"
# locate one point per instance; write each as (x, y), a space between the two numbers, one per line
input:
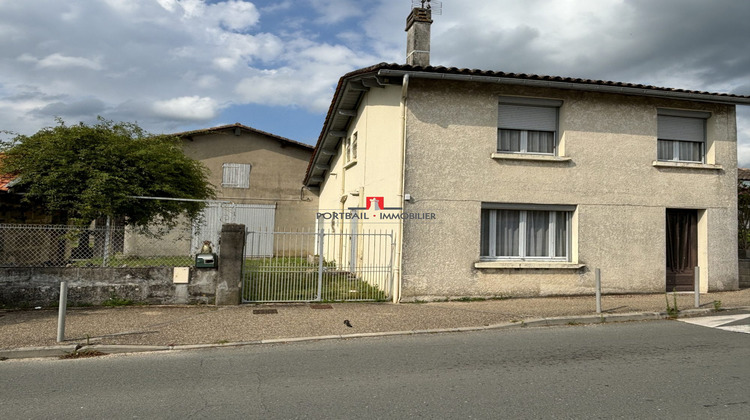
(623, 90)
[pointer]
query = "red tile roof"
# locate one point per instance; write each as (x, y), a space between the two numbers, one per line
(4, 180)
(204, 131)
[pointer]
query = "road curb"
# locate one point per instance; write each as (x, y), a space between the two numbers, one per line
(57, 351)
(33, 352)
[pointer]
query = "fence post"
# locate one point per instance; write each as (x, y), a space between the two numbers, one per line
(598, 291)
(697, 287)
(107, 234)
(61, 311)
(231, 258)
(320, 265)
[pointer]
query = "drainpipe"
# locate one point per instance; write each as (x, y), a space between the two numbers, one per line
(400, 245)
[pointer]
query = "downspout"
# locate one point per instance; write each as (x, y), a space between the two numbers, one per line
(400, 245)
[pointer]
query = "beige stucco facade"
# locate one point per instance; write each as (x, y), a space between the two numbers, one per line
(278, 167)
(607, 170)
(373, 171)
(428, 144)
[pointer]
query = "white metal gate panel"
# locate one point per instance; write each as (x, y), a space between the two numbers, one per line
(256, 217)
(319, 266)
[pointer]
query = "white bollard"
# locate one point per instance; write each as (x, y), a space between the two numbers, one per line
(61, 311)
(598, 291)
(697, 287)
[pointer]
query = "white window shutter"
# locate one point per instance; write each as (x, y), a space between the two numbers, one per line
(236, 175)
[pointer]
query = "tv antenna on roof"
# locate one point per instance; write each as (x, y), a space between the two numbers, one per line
(436, 7)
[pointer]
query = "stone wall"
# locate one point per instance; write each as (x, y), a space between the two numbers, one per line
(40, 286)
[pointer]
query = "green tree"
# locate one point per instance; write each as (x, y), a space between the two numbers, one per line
(82, 172)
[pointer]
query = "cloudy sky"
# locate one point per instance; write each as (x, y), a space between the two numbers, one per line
(175, 65)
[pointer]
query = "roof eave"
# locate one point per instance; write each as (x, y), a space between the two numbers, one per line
(350, 89)
(211, 130)
(583, 86)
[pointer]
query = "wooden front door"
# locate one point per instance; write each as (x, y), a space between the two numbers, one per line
(682, 249)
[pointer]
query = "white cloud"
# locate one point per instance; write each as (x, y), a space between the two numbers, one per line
(168, 5)
(123, 6)
(284, 87)
(59, 60)
(333, 11)
(168, 63)
(235, 15)
(187, 108)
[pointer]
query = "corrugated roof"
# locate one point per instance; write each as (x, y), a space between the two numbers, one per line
(743, 174)
(206, 131)
(334, 123)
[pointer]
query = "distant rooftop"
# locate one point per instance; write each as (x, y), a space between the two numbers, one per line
(204, 131)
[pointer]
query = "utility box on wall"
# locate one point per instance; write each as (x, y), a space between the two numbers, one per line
(206, 261)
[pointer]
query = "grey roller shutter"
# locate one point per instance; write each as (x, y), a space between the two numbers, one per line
(681, 128)
(521, 117)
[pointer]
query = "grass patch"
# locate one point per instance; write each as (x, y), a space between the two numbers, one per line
(296, 279)
(133, 261)
(83, 354)
(468, 299)
(717, 306)
(117, 301)
(672, 310)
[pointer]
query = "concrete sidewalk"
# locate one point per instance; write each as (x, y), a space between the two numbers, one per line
(136, 328)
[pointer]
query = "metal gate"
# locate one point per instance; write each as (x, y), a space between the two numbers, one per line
(258, 217)
(318, 266)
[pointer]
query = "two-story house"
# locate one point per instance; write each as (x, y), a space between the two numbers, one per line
(523, 185)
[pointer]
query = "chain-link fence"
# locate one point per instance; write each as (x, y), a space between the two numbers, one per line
(116, 246)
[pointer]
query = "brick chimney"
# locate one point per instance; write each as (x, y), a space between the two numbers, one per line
(418, 37)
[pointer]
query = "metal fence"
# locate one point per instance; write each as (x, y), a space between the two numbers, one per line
(115, 246)
(318, 266)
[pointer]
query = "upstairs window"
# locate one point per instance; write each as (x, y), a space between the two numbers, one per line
(527, 125)
(681, 136)
(536, 233)
(351, 148)
(236, 175)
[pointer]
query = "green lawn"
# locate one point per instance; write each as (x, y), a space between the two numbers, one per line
(131, 261)
(296, 279)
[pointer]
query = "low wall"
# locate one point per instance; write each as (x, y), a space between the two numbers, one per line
(40, 286)
(744, 273)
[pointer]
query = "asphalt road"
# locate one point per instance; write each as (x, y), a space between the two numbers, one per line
(662, 369)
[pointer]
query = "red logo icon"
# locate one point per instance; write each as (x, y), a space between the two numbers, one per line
(375, 203)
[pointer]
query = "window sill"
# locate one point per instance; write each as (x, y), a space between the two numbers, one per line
(687, 165)
(350, 164)
(555, 265)
(530, 157)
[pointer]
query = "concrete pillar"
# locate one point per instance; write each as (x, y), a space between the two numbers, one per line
(418, 37)
(229, 283)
